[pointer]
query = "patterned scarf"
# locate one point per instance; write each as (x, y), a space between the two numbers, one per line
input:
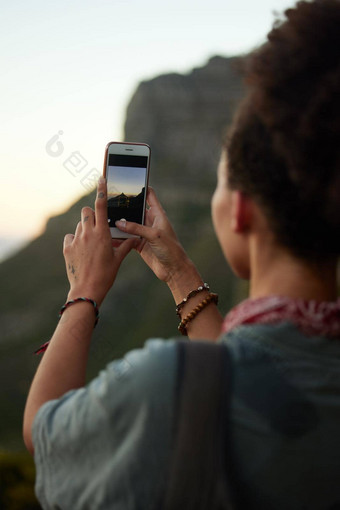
(311, 317)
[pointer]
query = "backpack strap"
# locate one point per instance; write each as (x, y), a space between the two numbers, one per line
(197, 477)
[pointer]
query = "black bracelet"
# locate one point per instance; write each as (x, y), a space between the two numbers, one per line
(44, 346)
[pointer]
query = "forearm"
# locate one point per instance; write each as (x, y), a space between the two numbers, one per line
(208, 322)
(63, 366)
(91, 265)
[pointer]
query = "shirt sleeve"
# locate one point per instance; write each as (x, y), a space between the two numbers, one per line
(108, 445)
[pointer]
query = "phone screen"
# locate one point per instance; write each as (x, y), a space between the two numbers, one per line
(126, 179)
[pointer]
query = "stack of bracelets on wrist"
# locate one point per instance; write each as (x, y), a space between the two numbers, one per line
(210, 298)
(191, 294)
(43, 347)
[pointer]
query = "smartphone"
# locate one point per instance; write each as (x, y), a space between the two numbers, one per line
(126, 169)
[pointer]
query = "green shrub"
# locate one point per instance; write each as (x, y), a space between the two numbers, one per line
(17, 475)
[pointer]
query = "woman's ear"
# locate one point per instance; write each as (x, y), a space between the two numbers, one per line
(241, 212)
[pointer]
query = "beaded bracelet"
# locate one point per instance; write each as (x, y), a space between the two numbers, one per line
(211, 298)
(191, 294)
(44, 346)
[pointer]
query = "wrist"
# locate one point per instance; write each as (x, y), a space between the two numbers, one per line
(81, 299)
(79, 314)
(88, 293)
(184, 280)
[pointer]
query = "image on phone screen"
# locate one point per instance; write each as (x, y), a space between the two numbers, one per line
(126, 176)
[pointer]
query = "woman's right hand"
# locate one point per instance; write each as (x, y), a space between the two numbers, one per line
(163, 253)
(159, 246)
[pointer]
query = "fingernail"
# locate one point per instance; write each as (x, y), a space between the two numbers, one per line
(101, 180)
(121, 223)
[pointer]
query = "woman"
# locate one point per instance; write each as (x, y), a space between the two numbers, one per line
(276, 215)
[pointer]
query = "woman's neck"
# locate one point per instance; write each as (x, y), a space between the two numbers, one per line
(274, 271)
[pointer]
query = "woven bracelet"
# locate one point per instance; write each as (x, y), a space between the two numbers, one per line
(191, 294)
(211, 298)
(44, 346)
(88, 300)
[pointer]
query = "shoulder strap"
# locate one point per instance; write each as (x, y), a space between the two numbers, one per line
(198, 478)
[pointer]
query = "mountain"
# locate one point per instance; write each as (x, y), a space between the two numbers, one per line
(10, 245)
(130, 208)
(183, 118)
(123, 201)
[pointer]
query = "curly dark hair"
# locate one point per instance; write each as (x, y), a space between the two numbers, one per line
(283, 146)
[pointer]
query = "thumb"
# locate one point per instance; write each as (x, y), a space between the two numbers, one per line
(136, 229)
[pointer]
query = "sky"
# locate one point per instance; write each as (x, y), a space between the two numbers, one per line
(68, 71)
(127, 180)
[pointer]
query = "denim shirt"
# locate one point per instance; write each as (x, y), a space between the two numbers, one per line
(109, 445)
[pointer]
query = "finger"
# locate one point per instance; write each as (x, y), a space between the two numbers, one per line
(152, 199)
(140, 243)
(149, 217)
(125, 247)
(68, 240)
(101, 204)
(87, 217)
(117, 242)
(136, 229)
(79, 229)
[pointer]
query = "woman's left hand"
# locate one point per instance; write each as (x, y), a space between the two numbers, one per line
(92, 261)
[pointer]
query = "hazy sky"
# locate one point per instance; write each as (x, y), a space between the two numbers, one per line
(122, 179)
(68, 70)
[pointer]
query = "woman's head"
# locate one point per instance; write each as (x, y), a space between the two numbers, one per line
(283, 147)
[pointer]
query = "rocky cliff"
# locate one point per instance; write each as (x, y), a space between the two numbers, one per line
(184, 119)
